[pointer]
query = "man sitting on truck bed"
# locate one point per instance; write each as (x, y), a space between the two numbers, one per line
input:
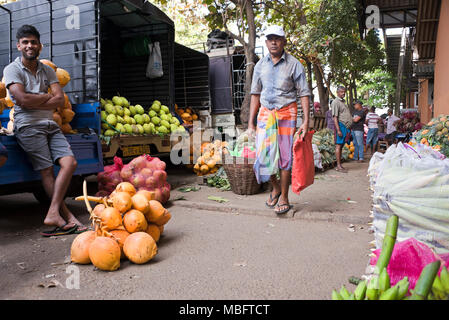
(28, 81)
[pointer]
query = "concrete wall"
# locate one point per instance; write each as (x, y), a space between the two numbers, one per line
(423, 101)
(441, 90)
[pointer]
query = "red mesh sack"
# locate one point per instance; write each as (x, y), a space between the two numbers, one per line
(110, 177)
(148, 173)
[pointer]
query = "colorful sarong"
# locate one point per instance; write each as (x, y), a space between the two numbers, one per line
(274, 141)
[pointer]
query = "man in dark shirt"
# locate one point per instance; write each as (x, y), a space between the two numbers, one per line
(358, 120)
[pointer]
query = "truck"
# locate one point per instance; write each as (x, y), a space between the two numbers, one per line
(17, 175)
(102, 44)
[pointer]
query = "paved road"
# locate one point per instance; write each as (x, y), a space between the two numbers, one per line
(203, 254)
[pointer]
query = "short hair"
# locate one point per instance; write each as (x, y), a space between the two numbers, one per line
(339, 88)
(27, 30)
(373, 108)
(390, 110)
(358, 102)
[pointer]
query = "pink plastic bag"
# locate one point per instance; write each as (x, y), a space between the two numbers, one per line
(408, 259)
(110, 177)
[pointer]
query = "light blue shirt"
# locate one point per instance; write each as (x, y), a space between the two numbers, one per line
(279, 84)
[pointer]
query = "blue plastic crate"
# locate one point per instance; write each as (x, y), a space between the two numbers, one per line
(87, 115)
(4, 118)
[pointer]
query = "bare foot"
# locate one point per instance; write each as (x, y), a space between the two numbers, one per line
(71, 219)
(58, 221)
(341, 169)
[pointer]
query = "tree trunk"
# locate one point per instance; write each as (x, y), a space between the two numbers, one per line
(351, 99)
(309, 81)
(250, 48)
(323, 92)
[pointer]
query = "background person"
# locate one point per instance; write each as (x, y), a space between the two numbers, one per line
(343, 122)
(372, 121)
(392, 122)
(358, 130)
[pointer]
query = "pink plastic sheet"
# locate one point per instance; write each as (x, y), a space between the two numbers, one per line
(408, 259)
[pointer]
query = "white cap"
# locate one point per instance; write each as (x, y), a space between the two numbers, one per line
(275, 30)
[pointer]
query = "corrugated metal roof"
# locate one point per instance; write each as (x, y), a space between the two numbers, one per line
(427, 27)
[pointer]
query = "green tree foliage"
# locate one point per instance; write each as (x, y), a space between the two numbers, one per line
(325, 33)
(377, 88)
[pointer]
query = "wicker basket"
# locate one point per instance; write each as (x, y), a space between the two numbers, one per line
(241, 176)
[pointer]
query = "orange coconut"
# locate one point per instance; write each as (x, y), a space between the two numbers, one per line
(154, 231)
(104, 253)
(140, 247)
(156, 211)
(122, 201)
(126, 187)
(79, 252)
(134, 221)
(140, 202)
(120, 236)
(111, 218)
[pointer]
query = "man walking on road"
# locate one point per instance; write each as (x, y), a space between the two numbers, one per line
(278, 80)
(343, 122)
(28, 81)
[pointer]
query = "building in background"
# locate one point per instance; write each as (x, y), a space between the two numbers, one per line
(418, 57)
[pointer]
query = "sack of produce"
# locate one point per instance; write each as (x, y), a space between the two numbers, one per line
(412, 183)
(317, 157)
(148, 173)
(109, 178)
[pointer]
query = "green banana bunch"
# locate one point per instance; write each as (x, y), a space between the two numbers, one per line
(425, 281)
(344, 293)
(444, 277)
(360, 290)
(384, 281)
(440, 286)
(336, 295)
(403, 285)
(390, 294)
(372, 290)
